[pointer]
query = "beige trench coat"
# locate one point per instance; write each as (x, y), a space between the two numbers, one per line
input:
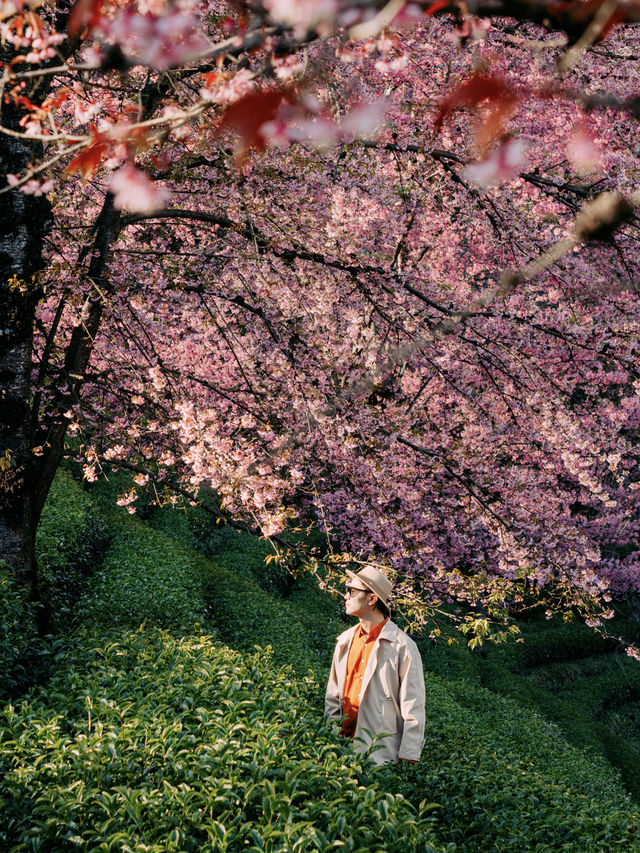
(392, 695)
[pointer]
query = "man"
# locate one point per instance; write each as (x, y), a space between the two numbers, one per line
(376, 683)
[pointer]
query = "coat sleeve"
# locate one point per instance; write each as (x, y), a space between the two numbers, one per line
(412, 698)
(332, 707)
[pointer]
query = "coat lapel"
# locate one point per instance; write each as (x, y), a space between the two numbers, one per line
(388, 633)
(344, 643)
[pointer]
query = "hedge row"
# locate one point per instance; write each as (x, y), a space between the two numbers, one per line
(518, 670)
(506, 779)
(69, 540)
(580, 694)
(301, 629)
(145, 577)
(146, 742)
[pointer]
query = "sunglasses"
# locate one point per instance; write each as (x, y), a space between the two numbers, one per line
(354, 590)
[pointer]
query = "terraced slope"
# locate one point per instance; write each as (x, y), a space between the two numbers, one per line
(505, 778)
(164, 728)
(566, 672)
(571, 676)
(591, 681)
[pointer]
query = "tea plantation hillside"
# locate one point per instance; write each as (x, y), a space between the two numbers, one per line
(179, 708)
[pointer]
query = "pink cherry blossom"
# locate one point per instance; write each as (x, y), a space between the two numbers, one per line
(349, 325)
(582, 150)
(502, 164)
(302, 15)
(159, 40)
(134, 191)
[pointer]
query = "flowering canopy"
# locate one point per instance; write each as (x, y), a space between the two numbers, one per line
(368, 264)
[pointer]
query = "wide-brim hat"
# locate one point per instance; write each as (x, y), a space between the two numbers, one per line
(373, 580)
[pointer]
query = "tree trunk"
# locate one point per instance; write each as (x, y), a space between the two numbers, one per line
(51, 431)
(24, 221)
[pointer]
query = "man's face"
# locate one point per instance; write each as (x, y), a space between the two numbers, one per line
(356, 600)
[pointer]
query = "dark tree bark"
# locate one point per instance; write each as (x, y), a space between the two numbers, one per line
(24, 221)
(51, 431)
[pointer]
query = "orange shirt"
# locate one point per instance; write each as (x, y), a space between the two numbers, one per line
(359, 651)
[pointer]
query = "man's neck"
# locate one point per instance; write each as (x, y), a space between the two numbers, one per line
(369, 622)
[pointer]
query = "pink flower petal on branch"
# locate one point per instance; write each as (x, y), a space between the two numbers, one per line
(160, 41)
(134, 191)
(365, 121)
(582, 151)
(503, 164)
(302, 15)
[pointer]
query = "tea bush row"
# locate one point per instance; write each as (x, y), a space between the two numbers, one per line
(145, 576)
(549, 644)
(71, 537)
(146, 742)
(240, 551)
(301, 629)
(498, 789)
(17, 626)
(151, 573)
(507, 780)
(578, 693)
(596, 683)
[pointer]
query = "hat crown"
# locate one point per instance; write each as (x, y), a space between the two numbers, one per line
(374, 580)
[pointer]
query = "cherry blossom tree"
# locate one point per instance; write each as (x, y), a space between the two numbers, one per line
(366, 266)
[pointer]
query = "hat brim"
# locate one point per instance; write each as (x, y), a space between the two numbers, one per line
(354, 576)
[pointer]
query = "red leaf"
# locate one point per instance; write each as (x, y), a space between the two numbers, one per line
(84, 15)
(23, 101)
(87, 161)
(54, 102)
(248, 114)
(210, 77)
(436, 7)
(473, 92)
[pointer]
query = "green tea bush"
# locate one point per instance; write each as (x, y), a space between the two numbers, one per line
(505, 777)
(302, 631)
(145, 577)
(150, 574)
(70, 539)
(543, 645)
(146, 742)
(596, 683)
(576, 686)
(211, 537)
(243, 613)
(238, 550)
(508, 781)
(17, 626)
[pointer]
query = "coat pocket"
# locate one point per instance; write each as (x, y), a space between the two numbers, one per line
(391, 715)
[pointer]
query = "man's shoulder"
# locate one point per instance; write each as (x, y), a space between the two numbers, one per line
(346, 635)
(395, 634)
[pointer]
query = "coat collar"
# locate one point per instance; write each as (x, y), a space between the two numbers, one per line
(389, 632)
